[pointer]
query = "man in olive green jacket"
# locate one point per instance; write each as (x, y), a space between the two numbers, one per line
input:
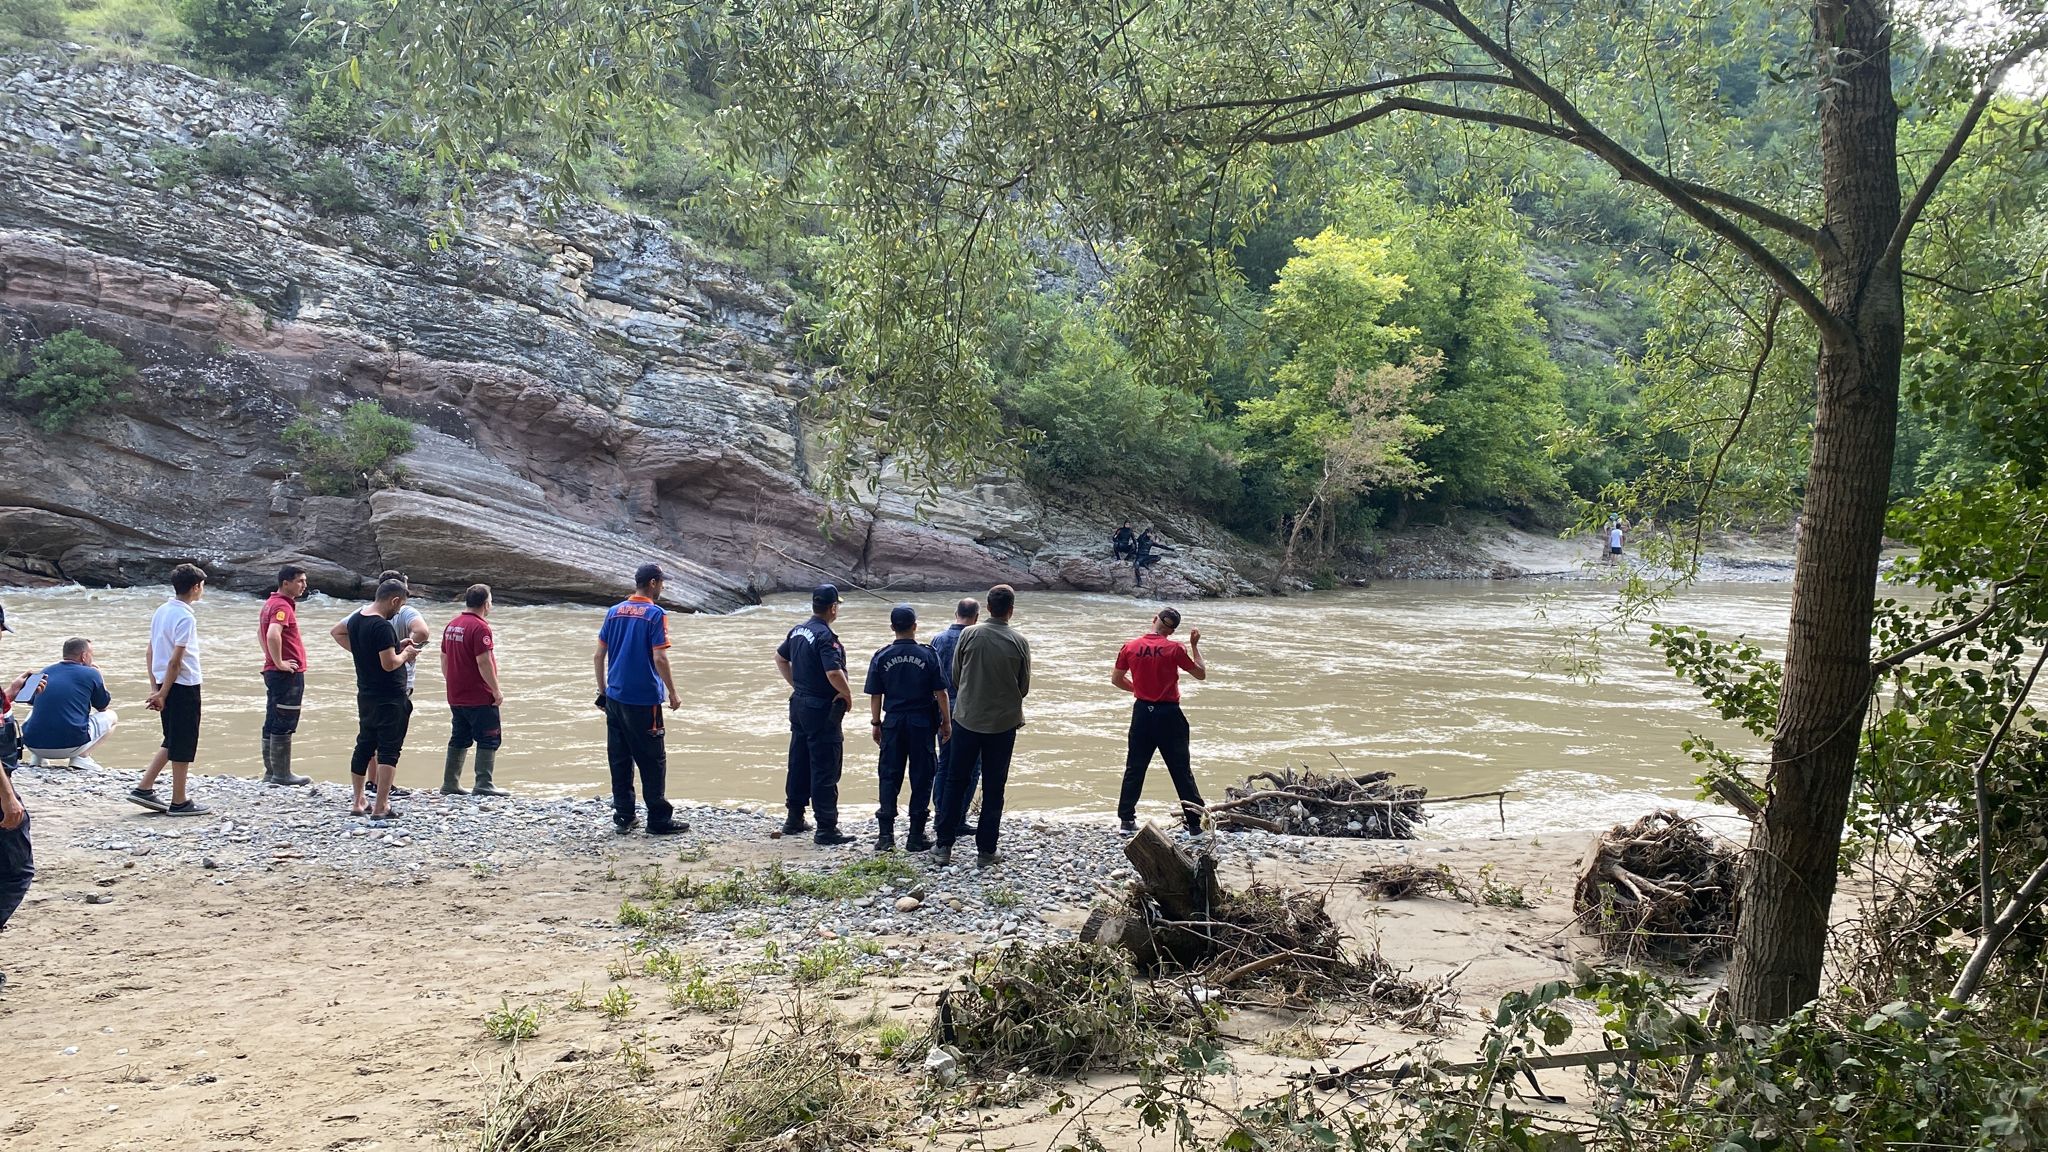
(992, 674)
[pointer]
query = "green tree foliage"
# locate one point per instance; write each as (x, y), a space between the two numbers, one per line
(345, 456)
(71, 376)
(1496, 401)
(248, 36)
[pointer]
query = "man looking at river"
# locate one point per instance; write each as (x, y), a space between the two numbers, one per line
(1149, 668)
(469, 665)
(906, 705)
(812, 661)
(174, 679)
(991, 675)
(965, 614)
(633, 676)
(284, 674)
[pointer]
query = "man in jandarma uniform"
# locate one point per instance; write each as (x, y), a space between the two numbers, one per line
(906, 703)
(813, 663)
(633, 678)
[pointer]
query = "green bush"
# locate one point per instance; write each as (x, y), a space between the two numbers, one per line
(72, 375)
(340, 462)
(35, 19)
(332, 188)
(667, 177)
(228, 157)
(247, 36)
(331, 115)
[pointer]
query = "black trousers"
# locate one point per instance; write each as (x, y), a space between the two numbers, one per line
(1163, 728)
(478, 725)
(817, 753)
(634, 738)
(989, 754)
(283, 693)
(17, 868)
(907, 745)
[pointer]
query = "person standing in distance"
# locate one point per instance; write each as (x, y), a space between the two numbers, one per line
(1149, 668)
(965, 613)
(632, 679)
(813, 663)
(284, 674)
(411, 625)
(173, 659)
(906, 704)
(469, 664)
(992, 675)
(383, 709)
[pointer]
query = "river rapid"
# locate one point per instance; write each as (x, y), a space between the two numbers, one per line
(1450, 684)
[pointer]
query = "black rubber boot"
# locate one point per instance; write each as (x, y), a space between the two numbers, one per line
(918, 842)
(486, 767)
(266, 755)
(886, 841)
(277, 767)
(451, 772)
(829, 837)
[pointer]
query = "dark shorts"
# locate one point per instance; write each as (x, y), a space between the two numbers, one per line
(181, 723)
(381, 725)
(1613, 551)
(479, 726)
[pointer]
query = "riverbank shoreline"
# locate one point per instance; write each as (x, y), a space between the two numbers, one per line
(278, 975)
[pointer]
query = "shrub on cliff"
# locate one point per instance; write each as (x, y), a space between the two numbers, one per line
(247, 36)
(72, 375)
(341, 458)
(332, 188)
(35, 19)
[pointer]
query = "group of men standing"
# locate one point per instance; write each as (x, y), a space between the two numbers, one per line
(947, 714)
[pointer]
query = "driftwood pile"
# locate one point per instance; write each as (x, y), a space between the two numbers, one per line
(1261, 944)
(1660, 889)
(1369, 806)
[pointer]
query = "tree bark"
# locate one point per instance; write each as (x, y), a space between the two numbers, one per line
(1788, 886)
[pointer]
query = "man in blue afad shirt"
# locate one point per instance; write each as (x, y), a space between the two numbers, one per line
(906, 703)
(813, 663)
(632, 678)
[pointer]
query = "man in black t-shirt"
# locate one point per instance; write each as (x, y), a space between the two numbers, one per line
(383, 709)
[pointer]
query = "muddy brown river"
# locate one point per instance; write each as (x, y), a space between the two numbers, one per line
(1443, 682)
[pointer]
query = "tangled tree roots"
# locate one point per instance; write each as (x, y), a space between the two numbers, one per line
(1660, 889)
(1261, 944)
(1369, 806)
(1061, 1009)
(797, 1089)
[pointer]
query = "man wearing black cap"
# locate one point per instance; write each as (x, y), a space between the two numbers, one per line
(813, 663)
(906, 703)
(632, 678)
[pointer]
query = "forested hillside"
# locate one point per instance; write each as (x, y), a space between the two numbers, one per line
(1380, 343)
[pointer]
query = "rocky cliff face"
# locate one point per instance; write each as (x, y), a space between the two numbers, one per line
(589, 390)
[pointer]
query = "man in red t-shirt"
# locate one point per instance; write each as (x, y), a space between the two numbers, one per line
(469, 663)
(1149, 668)
(284, 674)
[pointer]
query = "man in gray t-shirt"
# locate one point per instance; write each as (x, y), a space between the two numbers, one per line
(409, 623)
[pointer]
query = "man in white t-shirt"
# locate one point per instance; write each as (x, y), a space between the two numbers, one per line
(174, 692)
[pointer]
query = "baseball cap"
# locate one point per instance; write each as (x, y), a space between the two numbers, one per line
(3, 620)
(824, 596)
(901, 617)
(647, 574)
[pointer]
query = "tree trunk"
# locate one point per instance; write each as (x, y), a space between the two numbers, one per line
(1789, 884)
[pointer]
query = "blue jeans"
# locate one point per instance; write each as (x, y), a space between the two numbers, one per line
(17, 868)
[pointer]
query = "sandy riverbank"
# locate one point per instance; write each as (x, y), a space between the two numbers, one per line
(323, 984)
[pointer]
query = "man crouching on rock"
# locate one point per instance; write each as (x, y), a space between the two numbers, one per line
(383, 710)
